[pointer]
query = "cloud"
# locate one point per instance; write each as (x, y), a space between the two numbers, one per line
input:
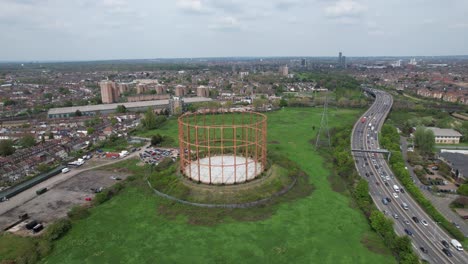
(228, 23)
(190, 5)
(345, 8)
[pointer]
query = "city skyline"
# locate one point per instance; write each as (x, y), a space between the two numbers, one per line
(53, 30)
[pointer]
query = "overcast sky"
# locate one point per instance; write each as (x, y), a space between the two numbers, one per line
(131, 29)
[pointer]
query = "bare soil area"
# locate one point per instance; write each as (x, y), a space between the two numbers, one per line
(57, 201)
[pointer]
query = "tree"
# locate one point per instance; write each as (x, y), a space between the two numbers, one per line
(424, 140)
(43, 167)
(156, 139)
(149, 119)
(51, 135)
(463, 189)
(121, 109)
(6, 147)
(283, 102)
(78, 113)
(27, 141)
(90, 130)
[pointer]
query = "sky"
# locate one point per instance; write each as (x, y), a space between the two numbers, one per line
(143, 29)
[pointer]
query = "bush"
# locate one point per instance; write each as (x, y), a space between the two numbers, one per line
(58, 229)
(78, 212)
(463, 189)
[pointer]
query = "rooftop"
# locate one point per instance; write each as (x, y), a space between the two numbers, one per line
(104, 107)
(447, 132)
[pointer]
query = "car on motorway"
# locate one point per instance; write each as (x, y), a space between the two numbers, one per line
(445, 243)
(408, 232)
(367, 174)
(424, 250)
(447, 252)
(402, 190)
(415, 219)
(456, 225)
(395, 195)
(388, 200)
(384, 201)
(395, 216)
(386, 184)
(406, 221)
(404, 206)
(377, 183)
(424, 222)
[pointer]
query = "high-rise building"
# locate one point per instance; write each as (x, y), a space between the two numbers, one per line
(159, 89)
(109, 92)
(176, 105)
(283, 70)
(341, 60)
(141, 88)
(203, 91)
(303, 63)
(123, 87)
(180, 90)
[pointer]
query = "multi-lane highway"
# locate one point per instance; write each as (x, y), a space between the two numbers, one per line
(410, 219)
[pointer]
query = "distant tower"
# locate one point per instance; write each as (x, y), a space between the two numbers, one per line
(283, 70)
(303, 63)
(340, 58)
(343, 62)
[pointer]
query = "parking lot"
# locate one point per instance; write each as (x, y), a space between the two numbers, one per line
(56, 202)
(155, 155)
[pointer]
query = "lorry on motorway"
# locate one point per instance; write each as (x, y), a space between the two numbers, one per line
(41, 191)
(396, 188)
(456, 244)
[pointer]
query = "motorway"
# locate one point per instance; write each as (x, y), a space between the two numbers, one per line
(374, 168)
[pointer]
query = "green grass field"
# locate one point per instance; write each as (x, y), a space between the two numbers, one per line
(321, 228)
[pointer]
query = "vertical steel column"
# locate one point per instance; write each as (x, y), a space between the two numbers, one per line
(235, 153)
(181, 145)
(197, 149)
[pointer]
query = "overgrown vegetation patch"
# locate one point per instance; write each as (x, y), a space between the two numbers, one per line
(166, 181)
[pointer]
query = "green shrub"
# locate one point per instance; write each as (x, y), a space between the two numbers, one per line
(78, 212)
(43, 247)
(58, 229)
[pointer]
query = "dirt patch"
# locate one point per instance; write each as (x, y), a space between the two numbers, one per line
(59, 199)
(273, 142)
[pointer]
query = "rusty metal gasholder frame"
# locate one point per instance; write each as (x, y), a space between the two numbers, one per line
(222, 147)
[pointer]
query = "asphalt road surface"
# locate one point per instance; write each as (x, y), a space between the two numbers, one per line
(374, 168)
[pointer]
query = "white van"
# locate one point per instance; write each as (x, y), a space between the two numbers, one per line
(456, 244)
(65, 170)
(396, 188)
